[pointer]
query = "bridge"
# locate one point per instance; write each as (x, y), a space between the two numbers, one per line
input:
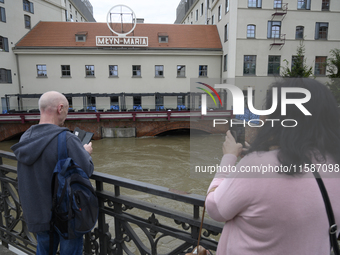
(146, 123)
(126, 225)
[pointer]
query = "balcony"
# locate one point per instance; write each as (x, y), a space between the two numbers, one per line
(280, 10)
(279, 41)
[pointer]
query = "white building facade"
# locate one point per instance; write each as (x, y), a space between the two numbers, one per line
(17, 18)
(259, 36)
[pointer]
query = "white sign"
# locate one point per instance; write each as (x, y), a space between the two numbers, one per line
(127, 41)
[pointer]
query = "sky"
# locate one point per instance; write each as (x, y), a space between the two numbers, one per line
(153, 11)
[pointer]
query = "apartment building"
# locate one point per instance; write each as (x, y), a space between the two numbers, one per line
(17, 18)
(260, 36)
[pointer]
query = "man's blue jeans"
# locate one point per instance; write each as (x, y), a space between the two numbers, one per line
(67, 247)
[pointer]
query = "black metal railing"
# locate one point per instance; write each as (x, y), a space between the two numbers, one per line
(133, 217)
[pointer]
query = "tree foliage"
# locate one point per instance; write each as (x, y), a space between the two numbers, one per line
(299, 67)
(333, 68)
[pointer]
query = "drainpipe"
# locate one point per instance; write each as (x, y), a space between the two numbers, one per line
(19, 82)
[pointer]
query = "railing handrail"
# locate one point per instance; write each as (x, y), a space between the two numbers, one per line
(100, 240)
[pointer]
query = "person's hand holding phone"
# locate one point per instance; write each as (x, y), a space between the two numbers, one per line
(230, 146)
(88, 147)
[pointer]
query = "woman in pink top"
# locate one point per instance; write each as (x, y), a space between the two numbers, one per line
(271, 204)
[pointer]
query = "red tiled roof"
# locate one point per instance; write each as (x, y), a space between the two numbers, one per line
(62, 34)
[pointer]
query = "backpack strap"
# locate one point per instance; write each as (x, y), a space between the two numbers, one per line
(62, 147)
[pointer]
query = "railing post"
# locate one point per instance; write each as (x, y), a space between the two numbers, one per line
(3, 208)
(101, 223)
(118, 227)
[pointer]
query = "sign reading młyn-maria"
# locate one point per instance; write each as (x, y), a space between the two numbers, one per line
(121, 20)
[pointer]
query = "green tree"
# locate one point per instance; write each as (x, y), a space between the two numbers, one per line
(299, 67)
(333, 68)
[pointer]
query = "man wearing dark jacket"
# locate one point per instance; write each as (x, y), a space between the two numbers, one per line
(37, 155)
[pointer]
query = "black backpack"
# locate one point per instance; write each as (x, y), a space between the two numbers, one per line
(75, 204)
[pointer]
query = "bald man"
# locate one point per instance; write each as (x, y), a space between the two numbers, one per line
(37, 155)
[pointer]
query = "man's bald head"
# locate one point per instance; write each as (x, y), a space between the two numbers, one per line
(50, 101)
(53, 108)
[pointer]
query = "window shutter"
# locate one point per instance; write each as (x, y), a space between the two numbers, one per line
(317, 29)
(5, 42)
(3, 14)
(269, 31)
(9, 76)
(31, 8)
(308, 5)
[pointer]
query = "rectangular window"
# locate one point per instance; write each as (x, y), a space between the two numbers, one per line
(180, 101)
(2, 14)
(4, 44)
(321, 30)
(5, 76)
(249, 67)
(320, 65)
(251, 31)
(274, 65)
(299, 32)
(28, 6)
(89, 70)
(2, 1)
(66, 71)
(41, 71)
(203, 71)
(180, 71)
(226, 36)
(196, 15)
(159, 71)
(136, 71)
(137, 101)
(325, 5)
(303, 4)
(295, 60)
(277, 4)
(202, 9)
(114, 100)
(226, 6)
(27, 21)
(255, 3)
(274, 29)
(225, 62)
(69, 100)
(159, 101)
(113, 70)
(219, 12)
(91, 103)
(212, 19)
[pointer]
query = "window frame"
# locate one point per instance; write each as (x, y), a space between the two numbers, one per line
(114, 71)
(225, 63)
(7, 73)
(326, 3)
(203, 71)
(253, 60)
(28, 6)
(227, 6)
(159, 71)
(3, 14)
(270, 30)
(248, 33)
(320, 66)
(303, 4)
(202, 9)
(296, 32)
(196, 15)
(67, 70)
(219, 12)
(276, 2)
(271, 69)
(4, 47)
(323, 33)
(27, 20)
(179, 71)
(89, 71)
(255, 4)
(136, 68)
(41, 71)
(226, 32)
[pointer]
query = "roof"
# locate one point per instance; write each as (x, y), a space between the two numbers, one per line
(62, 34)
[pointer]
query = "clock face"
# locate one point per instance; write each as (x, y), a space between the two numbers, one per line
(121, 20)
